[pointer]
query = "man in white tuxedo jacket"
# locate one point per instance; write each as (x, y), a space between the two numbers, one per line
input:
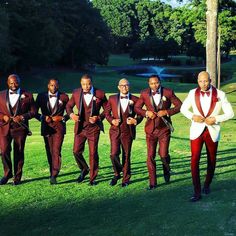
(203, 107)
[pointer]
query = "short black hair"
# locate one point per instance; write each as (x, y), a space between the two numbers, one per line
(154, 76)
(87, 76)
(53, 79)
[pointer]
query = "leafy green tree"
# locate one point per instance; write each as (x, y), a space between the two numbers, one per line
(86, 36)
(6, 59)
(226, 23)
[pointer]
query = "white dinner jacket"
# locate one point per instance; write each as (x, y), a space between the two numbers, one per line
(220, 108)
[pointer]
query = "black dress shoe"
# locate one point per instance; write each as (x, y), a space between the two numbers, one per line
(53, 180)
(82, 176)
(93, 183)
(167, 177)
(206, 190)
(114, 180)
(195, 198)
(151, 187)
(3, 180)
(126, 184)
(16, 182)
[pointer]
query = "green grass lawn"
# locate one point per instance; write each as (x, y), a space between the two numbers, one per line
(37, 208)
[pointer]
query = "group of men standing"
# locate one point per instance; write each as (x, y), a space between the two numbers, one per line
(124, 112)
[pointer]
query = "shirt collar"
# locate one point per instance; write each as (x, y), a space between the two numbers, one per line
(49, 93)
(17, 91)
(91, 91)
(158, 90)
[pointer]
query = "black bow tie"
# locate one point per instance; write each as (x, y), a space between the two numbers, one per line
(86, 93)
(13, 92)
(207, 93)
(121, 97)
(52, 96)
(154, 93)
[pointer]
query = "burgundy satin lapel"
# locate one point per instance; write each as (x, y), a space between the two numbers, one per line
(197, 101)
(93, 103)
(213, 101)
(161, 101)
(48, 103)
(80, 101)
(118, 104)
(129, 105)
(151, 100)
(18, 103)
(8, 101)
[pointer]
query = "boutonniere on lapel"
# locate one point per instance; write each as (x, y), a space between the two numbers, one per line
(163, 98)
(215, 99)
(22, 96)
(60, 102)
(131, 103)
(96, 99)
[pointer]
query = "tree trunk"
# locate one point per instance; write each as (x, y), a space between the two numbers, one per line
(211, 44)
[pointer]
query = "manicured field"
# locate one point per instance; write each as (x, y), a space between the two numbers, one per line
(37, 208)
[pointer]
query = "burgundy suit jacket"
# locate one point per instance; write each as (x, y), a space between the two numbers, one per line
(167, 99)
(113, 111)
(99, 100)
(42, 102)
(25, 107)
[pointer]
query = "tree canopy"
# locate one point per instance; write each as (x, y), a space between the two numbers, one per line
(186, 25)
(76, 33)
(45, 33)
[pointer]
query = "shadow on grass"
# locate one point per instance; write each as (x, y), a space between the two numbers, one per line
(131, 211)
(180, 166)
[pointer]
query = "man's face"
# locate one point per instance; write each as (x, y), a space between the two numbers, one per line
(12, 83)
(204, 81)
(154, 83)
(86, 84)
(53, 86)
(123, 87)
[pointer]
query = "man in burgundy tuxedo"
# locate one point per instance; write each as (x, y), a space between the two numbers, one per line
(17, 106)
(158, 101)
(206, 107)
(120, 114)
(88, 123)
(53, 124)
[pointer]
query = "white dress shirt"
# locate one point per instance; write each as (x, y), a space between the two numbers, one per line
(13, 98)
(52, 100)
(88, 97)
(157, 97)
(206, 101)
(124, 101)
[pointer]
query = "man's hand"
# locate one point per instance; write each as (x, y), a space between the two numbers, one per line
(18, 119)
(115, 122)
(210, 120)
(151, 115)
(198, 118)
(6, 118)
(48, 119)
(57, 118)
(93, 119)
(162, 113)
(131, 121)
(74, 117)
